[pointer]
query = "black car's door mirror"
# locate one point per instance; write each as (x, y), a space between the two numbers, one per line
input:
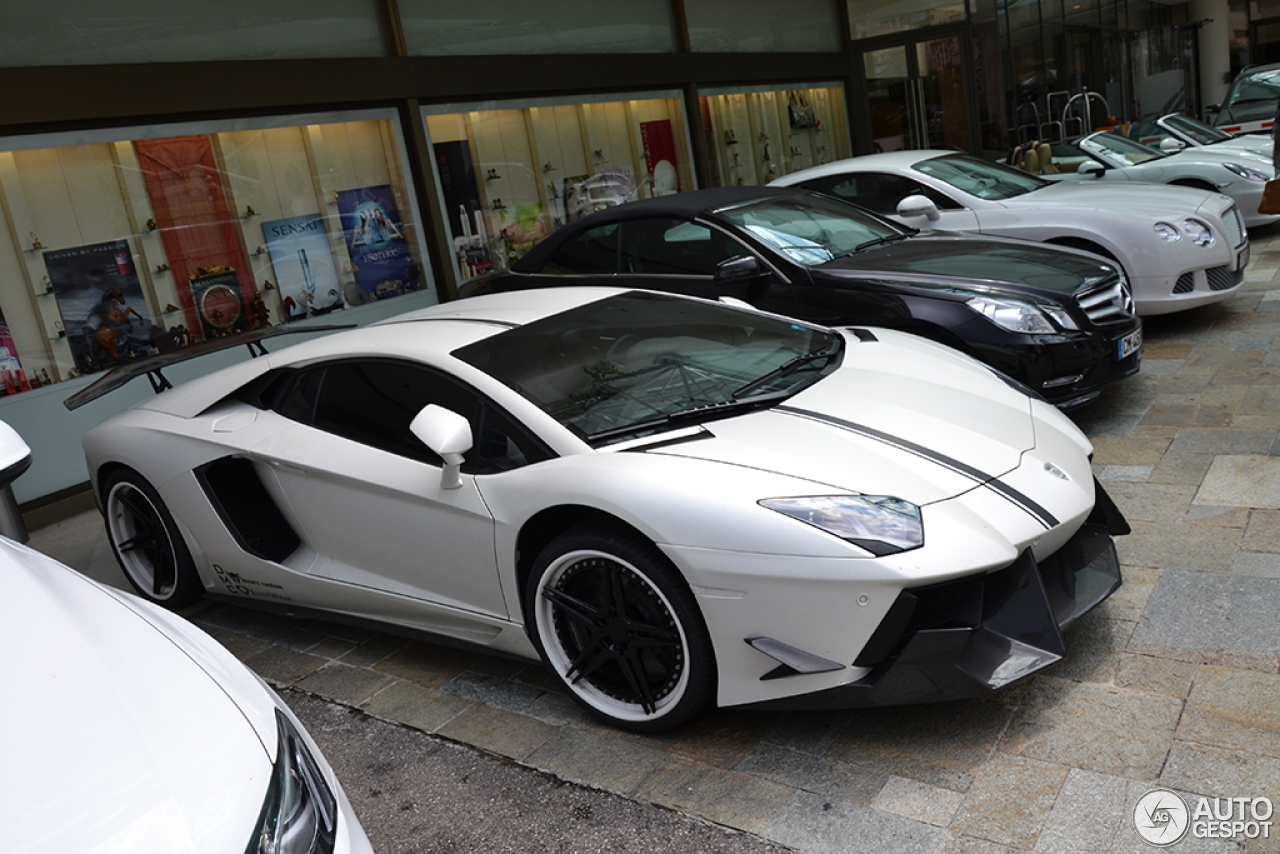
(741, 268)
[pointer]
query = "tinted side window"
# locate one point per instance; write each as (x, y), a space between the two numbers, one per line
(593, 251)
(373, 402)
(675, 247)
(878, 191)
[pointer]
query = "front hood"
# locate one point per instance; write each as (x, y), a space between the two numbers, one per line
(902, 416)
(115, 740)
(1147, 201)
(936, 259)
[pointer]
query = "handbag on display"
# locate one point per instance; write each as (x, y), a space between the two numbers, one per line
(1270, 203)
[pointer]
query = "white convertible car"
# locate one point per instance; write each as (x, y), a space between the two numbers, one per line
(1238, 173)
(1176, 131)
(1180, 247)
(675, 502)
(127, 729)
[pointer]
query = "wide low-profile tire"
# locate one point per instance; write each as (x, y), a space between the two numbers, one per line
(147, 543)
(618, 626)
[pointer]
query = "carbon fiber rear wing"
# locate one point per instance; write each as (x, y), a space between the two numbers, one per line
(153, 367)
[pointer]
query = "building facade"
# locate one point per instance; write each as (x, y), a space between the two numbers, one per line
(174, 172)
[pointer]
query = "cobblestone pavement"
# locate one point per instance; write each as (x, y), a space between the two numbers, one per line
(1173, 682)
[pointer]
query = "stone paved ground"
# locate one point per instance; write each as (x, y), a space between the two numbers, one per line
(1173, 682)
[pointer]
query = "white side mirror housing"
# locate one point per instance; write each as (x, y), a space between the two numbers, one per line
(1169, 145)
(918, 205)
(1091, 168)
(449, 435)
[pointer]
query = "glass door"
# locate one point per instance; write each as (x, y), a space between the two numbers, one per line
(915, 94)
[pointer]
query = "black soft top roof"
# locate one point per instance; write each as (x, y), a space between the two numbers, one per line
(677, 206)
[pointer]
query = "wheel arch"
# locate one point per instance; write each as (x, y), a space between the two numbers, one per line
(549, 523)
(1195, 183)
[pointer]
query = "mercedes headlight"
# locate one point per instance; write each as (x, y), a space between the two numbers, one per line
(1247, 172)
(878, 523)
(300, 813)
(1199, 233)
(1022, 316)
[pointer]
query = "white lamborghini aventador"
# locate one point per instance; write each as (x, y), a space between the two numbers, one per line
(673, 502)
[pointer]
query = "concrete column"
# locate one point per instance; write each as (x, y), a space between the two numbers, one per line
(1215, 54)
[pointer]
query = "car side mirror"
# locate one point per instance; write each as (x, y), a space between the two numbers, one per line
(918, 205)
(449, 435)
(1213, 109)
(1169, 145)
(1091, 168)
(740, 268)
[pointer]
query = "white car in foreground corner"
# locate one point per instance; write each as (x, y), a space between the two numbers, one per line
(675, 502)
(127, 729)
(1179, 247)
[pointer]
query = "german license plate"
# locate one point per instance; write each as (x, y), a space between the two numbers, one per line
(1129, 344)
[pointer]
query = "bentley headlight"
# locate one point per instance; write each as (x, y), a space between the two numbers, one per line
(300, 813)
(1246, 172)
(1167, 232)
(878, 523)
(1199, 233)
(1021, 316)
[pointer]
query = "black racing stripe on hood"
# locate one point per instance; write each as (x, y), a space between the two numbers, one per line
(1040, 514)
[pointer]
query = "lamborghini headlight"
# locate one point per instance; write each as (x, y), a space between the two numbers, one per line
(300, 813)
(878, 523)
(1021, 317)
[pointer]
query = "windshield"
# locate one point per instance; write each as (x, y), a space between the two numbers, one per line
(980, 178)
(813, 229)
(639, 362)
(1195, 130)
(1260, 85)
(1120, 150)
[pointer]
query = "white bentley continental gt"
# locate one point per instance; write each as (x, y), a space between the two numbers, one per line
(674, 502)
(1180, 247)
(127, 729)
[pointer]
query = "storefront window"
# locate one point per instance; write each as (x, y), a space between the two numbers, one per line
(512, 173)
(870, 18)
(499, 27)
(90, 32)
(136, 244)
(756, 135)
(763, 26)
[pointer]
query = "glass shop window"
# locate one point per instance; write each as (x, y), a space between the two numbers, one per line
(133, 247)
(755, 136)
(511, 174)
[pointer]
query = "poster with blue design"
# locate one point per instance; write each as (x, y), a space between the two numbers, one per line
(384, 266)
(303, 262)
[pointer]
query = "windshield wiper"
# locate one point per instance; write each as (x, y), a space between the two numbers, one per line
(698, 413)
(787, 367)
(879, 241)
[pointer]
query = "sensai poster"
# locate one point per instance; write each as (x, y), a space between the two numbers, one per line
(104, 315)
(308, 282)
(375, 238)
